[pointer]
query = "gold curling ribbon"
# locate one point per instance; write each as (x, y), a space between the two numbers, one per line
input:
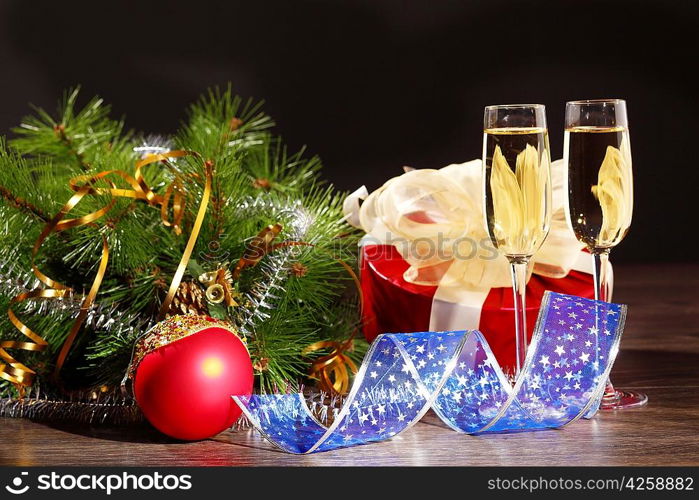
(182, 267)
(11, 369)
(23, 376)
(333, 369)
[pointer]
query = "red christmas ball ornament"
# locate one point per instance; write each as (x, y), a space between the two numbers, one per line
(185, 371)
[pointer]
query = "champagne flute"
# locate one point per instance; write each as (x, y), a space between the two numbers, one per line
(517, 193)
(597, 154)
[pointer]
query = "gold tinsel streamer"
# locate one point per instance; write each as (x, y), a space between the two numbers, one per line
(258, 247)
(23, 376)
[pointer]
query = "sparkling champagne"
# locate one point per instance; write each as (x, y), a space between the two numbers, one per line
(517, 188)
(600, 185)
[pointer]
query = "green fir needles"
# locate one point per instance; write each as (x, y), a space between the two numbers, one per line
(296, 295)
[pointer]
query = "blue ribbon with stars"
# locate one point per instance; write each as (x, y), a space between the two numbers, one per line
(456, 374)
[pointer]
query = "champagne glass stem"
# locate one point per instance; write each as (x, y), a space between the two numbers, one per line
(518, 269)
(603, 292)
(601, 257)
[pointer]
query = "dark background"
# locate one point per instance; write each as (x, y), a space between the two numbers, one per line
(372, 85)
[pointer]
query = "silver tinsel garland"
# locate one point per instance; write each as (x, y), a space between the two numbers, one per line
(100, 319)
(113, 408)
(92, 406)
(274, 267)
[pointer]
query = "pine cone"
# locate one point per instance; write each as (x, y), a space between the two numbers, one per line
(189, 299)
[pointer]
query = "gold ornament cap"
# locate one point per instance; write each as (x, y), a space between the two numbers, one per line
(171, 330)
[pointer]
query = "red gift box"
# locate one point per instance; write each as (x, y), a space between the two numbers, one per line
(392, 304)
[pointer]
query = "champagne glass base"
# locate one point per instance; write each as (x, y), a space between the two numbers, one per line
(623, 400)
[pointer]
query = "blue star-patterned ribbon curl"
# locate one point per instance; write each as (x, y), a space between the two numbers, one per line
(456, 374)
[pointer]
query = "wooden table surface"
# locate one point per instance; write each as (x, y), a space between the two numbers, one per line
(660, 355)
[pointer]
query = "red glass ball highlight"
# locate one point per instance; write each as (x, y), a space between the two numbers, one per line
(184, 388)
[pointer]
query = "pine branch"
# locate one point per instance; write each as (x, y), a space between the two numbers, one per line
(222, 125)
(293, 297)
(273, 168)
(60, 131)
(20, 186)
(77, 137)
(23, 204)
(262, 296)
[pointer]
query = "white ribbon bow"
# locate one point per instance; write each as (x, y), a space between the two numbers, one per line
(435, 220)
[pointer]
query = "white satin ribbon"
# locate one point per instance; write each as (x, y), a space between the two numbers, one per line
(435, 220)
